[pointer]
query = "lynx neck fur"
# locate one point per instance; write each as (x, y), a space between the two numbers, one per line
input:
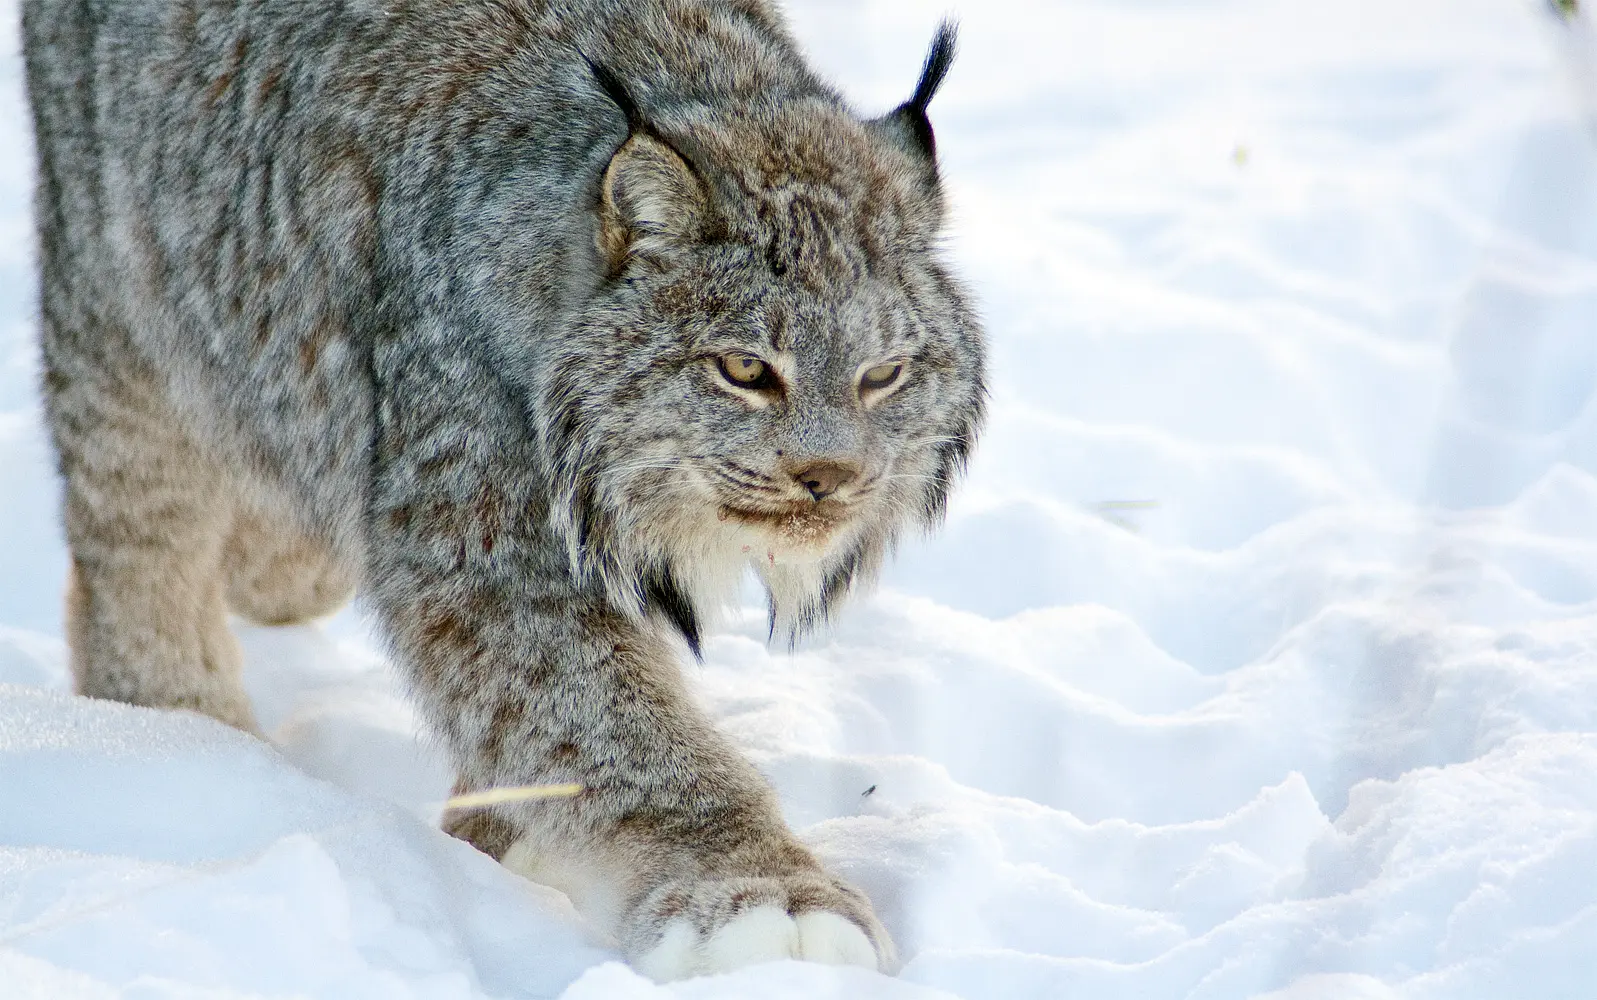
(538, 322)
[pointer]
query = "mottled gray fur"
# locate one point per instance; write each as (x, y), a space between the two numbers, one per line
(439, 296)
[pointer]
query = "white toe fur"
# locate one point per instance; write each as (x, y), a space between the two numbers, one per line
(675, 957)
(763, 934)
(829, 938)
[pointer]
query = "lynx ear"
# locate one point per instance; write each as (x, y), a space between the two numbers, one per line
(908, 125)
(650, 198)
(650, 202)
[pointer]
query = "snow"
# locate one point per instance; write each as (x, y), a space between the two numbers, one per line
(1258, 657)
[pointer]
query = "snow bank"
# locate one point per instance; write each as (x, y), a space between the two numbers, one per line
(164, 855)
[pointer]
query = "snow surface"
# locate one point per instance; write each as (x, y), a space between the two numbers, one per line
(1259, 656)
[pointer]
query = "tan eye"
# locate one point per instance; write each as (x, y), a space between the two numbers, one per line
(881, 376)
(745, 370)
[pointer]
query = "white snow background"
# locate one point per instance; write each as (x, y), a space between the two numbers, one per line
(1312, 286)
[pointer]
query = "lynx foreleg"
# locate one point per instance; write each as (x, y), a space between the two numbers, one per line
(675, 844)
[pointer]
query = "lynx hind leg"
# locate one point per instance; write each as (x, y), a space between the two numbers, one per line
(146, 518)
(277, 574)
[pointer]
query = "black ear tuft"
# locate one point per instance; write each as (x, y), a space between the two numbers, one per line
(908, 122)
(938, 59)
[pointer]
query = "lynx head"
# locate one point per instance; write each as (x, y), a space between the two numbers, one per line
(777, 369)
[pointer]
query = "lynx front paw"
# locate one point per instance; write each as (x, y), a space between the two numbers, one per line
(721, 925)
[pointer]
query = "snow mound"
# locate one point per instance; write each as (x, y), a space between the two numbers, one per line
(164, 854)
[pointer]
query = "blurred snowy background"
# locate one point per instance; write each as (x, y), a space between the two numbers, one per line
(1259, 656)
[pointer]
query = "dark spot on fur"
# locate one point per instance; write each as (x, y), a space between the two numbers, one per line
(322, 331)
(436, 465)
(498, 743)
(490, 516)
(444, 628)
(218, 87)
(269, 83)
(671, 905)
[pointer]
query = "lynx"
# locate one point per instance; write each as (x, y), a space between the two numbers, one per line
(541, 323)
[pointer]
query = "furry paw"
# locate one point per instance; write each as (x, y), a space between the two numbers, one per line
(724, 924)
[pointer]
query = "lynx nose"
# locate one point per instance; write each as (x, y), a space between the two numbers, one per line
(823, 479)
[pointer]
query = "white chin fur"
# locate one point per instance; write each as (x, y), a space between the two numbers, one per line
(763, 934)
(712, 564)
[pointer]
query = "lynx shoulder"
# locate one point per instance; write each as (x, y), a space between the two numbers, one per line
(542, 325)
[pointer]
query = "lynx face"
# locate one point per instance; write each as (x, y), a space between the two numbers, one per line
(779, 342)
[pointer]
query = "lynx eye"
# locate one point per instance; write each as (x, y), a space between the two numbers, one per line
(745, 370)
(881, 376)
